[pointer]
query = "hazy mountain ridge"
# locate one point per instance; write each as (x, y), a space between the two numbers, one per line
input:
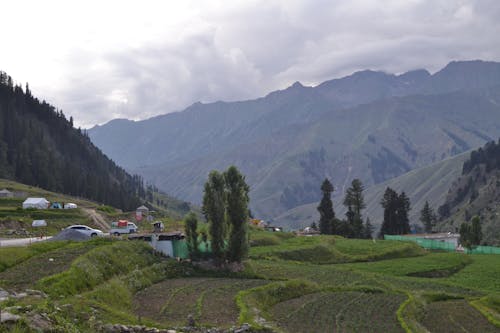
(369, 125)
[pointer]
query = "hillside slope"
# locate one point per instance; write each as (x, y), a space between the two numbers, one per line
(428, 183)
(370, 125)
(476, 192)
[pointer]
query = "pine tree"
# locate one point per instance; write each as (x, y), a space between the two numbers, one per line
(325, 209)
(214, 211)
(427, 217)
(389, 203)
(355, 203)
(237, 214)
(190, 229)
(403, 208)
(396, 209)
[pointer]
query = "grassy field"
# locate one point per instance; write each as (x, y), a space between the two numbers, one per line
(290, 284)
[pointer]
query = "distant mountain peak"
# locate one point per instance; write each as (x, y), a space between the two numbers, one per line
(296, 85)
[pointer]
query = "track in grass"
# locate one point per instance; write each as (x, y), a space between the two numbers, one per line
(455, 316)
(209, 300)
(339, 312)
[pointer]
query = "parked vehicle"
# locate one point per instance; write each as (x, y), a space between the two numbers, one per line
(122, 227)
(86, 230)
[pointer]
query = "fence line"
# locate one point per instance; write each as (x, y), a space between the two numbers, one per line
(433, 244)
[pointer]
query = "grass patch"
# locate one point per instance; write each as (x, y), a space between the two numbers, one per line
(98, 266)
(418, 266)
(10, 256)
(27, 273)
(330, 249)
(482, 273)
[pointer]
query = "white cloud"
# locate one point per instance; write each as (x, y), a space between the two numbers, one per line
(98, 60)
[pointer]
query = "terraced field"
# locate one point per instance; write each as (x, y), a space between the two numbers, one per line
(340, 312)
(209, 301)
(283, 288)
(29, 272)
(455, 316)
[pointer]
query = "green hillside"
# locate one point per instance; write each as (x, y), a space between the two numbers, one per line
(16, 222)
(289, 284)
(429, 183)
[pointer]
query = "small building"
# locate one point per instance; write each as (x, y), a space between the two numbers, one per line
(70, 205)
(170, 244)
(36, 203)
(6, 193)
(143, 210)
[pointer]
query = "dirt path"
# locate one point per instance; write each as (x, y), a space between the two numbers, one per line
(97, 218)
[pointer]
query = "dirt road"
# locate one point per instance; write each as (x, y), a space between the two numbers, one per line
(97, 218)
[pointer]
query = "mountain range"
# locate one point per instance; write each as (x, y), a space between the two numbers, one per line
(370, 125)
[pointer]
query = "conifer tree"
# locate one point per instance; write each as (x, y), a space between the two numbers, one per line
(427, 217)
(327, 223)
(396, 208)
(355, 203)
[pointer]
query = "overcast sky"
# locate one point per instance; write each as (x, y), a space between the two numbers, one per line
(100, 60)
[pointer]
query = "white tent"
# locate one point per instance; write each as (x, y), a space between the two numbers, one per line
(37, 203)
(70, 205)
(39, 223)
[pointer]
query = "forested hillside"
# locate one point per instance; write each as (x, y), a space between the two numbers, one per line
(476, 192)
(39, 146)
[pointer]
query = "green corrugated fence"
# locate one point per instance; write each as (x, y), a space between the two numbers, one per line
(484, 250)
(433, 244)
(181, 249)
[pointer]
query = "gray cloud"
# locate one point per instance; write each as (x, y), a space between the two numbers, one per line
(249, 50)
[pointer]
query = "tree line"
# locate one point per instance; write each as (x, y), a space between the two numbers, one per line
(40, 147)
(396, 208)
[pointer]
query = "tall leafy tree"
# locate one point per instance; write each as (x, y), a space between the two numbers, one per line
(237, 214)
(470, 233)
(327, 223)
(355, 203)
(214, 209)
(427, 217)
(191, 231)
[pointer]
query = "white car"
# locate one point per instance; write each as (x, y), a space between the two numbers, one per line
(86, 230)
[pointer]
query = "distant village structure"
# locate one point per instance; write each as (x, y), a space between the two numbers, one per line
(6, 194)
(141, 212)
